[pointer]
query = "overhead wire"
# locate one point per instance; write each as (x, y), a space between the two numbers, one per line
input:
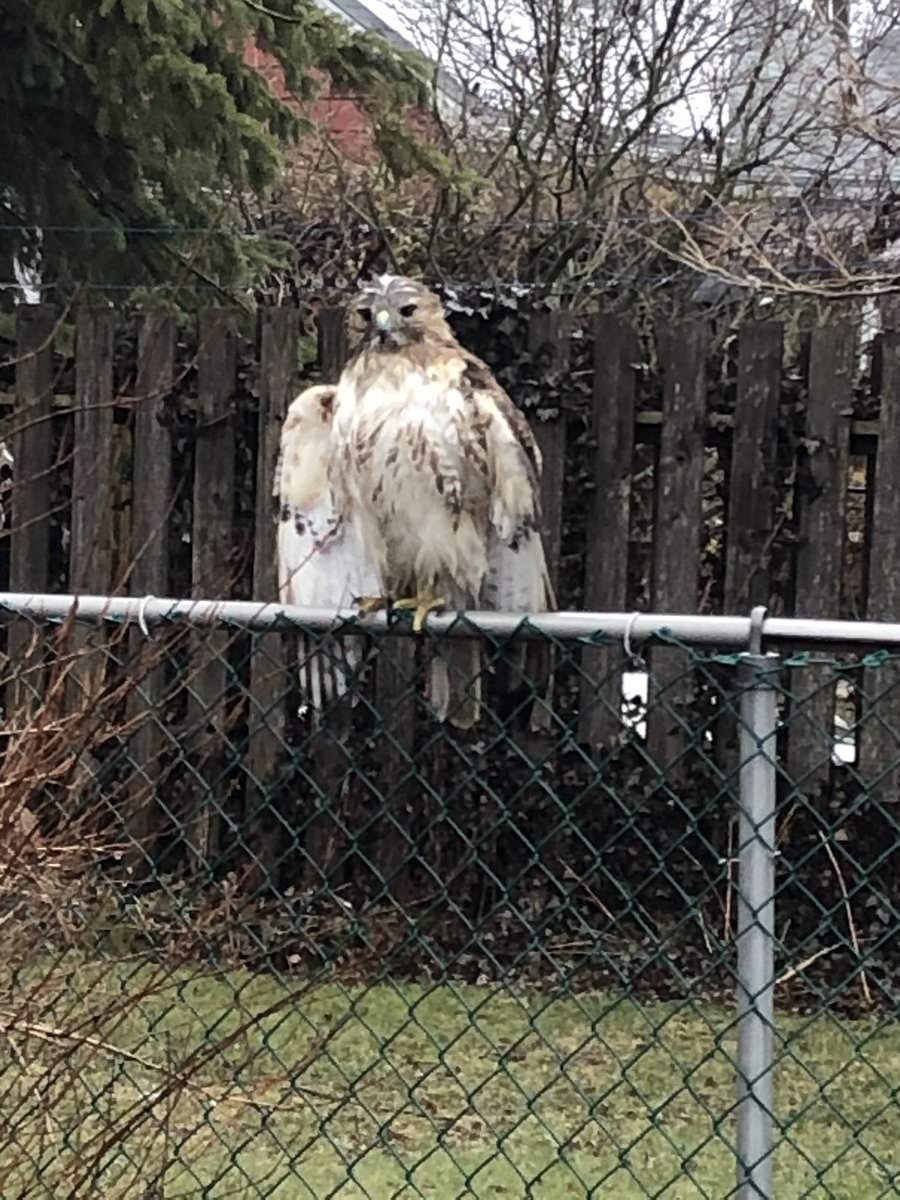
(785, 207)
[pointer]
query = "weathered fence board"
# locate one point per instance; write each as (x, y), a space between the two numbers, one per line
(549, 334)
(264, 760)
(90, 548)
(331, 330)
(213, 563)
(148, 552)
(32, 450)
(151, 470)
(879, 732)
(608, 522)
(751, 528)
(676, 533)
(90, 544)
(821, 501)
(391, 830)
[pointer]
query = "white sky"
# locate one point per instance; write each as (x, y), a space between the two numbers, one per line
(402, 17)
(684, 116)
(392, 17)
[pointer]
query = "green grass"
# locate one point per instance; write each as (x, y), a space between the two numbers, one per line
(409, 1091)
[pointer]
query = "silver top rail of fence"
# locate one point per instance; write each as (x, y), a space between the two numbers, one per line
(753, 632)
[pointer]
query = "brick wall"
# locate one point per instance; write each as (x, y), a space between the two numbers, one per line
(339, 115)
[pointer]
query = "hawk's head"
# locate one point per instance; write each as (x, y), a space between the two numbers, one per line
(392, 311)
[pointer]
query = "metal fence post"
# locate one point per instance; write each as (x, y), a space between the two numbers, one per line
(756, 925)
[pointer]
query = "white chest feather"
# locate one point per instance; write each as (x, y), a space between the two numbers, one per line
(415, 472)
(410, 440)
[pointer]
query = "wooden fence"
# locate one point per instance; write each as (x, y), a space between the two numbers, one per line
(686, 505)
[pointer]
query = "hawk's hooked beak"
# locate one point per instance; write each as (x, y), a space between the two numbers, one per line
(383, 323)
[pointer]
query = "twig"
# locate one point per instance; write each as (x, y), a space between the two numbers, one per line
(706, 938)
(275, 16)
(729, 884)
(800, 967)
(49, 340)
(49, 1033)
(582, 883)
(863, 980)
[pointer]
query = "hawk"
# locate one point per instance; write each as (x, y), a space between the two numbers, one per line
(437, 473)
(321, 561)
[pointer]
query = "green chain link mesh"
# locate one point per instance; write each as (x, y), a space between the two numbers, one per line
(246, 953)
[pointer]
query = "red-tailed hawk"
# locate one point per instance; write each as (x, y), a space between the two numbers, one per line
(437, 472)
(321, 561)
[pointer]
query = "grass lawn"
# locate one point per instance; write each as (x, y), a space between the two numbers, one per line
(300, 1092)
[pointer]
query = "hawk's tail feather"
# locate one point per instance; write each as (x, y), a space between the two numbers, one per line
(328, 669)
(454, 682)
(526, 674)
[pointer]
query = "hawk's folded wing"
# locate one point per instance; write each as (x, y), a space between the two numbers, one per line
(499, 445)
(320, 559)
(517, 580)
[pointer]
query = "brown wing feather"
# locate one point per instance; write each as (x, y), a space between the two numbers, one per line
(517, 570)
(477, 377)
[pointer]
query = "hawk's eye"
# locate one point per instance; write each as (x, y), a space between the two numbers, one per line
(407, 310)
(365, 313)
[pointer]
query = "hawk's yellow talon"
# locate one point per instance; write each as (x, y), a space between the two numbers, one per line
(371, 604)
(421, 605)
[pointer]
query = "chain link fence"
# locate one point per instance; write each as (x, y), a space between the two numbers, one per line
(634, 933)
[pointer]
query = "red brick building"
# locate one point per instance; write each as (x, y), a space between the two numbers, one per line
(339, 115)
